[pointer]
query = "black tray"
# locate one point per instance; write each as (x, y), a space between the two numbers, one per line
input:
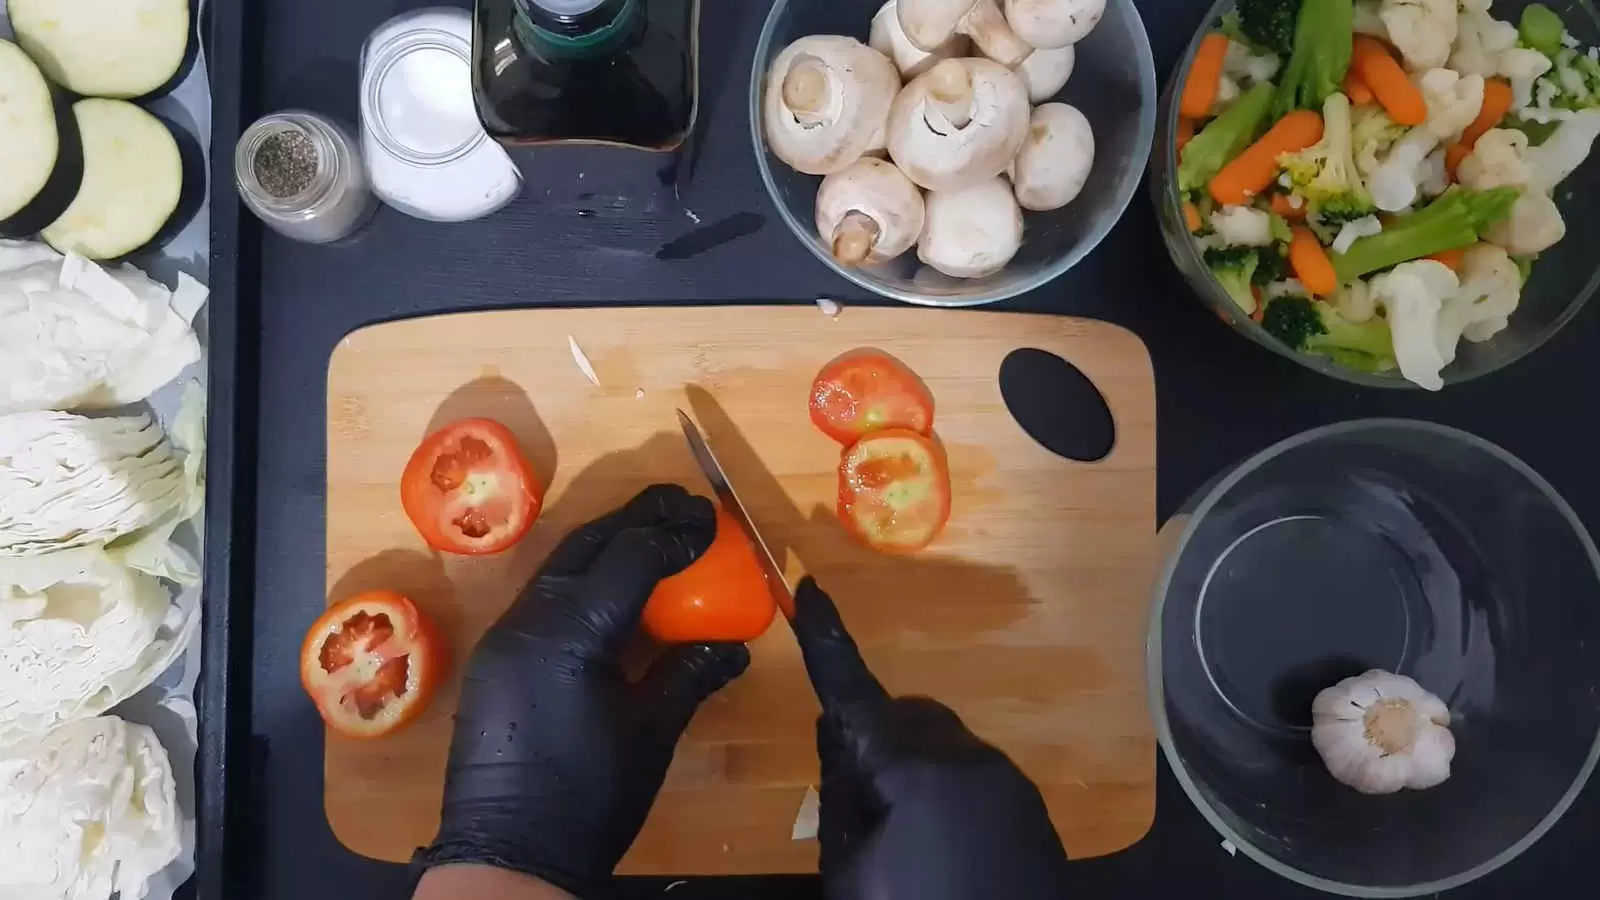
(230, 508)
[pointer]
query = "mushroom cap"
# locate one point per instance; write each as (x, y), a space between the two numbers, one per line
(882, 193)
(1048, 24)
(939, 156)
(973, 231)
(929, 23)
(1055, 160)
(1046, 72)
(827, 97)
(890, 39)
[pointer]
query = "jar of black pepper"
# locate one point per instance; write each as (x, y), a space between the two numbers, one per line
(302, 174)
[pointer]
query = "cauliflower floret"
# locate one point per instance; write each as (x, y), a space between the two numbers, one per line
(1412, 295)
(1247, 67)
(1394, 183)
(1372, 134)
(1523, 68)
(1453, 101)
(1326, 171)
(1242, 226)
(1354, 301)
(1534, 226)
(1433, 176)
(1491, 287)
(1497, 160)
(1566, 149)
(1480, 39)
(1227, 92)
(1350, 232)
(1422, 30)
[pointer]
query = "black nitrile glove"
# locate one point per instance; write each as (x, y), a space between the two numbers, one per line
(557, 758)
(914, 805)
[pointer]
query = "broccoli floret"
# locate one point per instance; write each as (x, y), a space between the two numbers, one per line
(1233, 268)
(1310, 326)
(1269, 24)
(1223, 138)
(1322, 38)
(1272, 265)
(1344, 209)
(1457, 218)
(1325, 173)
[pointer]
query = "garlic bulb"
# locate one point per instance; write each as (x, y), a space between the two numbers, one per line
(1380, 732)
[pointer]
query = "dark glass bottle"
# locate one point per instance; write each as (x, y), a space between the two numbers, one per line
(613, 71)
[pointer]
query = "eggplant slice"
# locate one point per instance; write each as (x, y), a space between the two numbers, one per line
(136, 179)
(122, 49)
(41, 155)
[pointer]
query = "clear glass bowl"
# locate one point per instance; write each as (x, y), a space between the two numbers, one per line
(1564, 278)
(1385, 544)
(1113, 84)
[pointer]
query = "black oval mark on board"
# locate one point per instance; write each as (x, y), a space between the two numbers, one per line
(1057, 405)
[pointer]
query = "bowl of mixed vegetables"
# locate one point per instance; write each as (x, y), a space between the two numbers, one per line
(1383, 190)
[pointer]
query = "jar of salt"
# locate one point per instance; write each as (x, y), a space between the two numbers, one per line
(302, 174)
(425, 148)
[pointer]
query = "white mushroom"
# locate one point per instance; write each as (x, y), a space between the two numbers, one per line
(826, 101)
(1055, 159)
(1045, 72)
(868, 212)
(1053, 23)
(930, 23)
(959, 123)
(972, 231)
(890, 39)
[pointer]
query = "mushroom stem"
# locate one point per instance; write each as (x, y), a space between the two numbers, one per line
(806, 90)
(854, 237)
(950, 92)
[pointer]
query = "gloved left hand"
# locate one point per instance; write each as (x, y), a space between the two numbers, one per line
(557, 757)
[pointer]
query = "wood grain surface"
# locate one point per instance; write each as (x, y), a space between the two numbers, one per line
(1027, 615)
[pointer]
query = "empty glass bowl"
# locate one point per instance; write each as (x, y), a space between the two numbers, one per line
(1392, 545)
(1113, 84)
(1564, 278)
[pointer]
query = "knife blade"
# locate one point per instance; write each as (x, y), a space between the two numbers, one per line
(718, 477)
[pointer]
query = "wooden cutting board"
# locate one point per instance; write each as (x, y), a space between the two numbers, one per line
(1027, 615)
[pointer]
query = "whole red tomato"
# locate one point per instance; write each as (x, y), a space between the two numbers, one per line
(724, 596)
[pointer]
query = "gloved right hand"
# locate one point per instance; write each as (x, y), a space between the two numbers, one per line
(914, 805)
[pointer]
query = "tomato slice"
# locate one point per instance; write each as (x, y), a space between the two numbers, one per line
(894, 490)
(724, 596)
(868, 390)
(468, 489)
(371, 664)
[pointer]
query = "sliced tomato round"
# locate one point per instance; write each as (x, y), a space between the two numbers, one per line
(468, 489)
(894, 490)
(723, 596)
(371, 664)
(868, 390)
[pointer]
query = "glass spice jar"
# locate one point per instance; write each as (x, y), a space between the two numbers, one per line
(302, 174)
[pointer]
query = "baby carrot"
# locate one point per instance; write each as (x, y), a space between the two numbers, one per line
(1205, 73)
(1355, 88)
(1453, 155)
(1249, 173)
(1311, 264)
(1496, 103)
(1191, 217)
(1282, 206)
(1452, 258)
(1400, 98)
(1185, 133)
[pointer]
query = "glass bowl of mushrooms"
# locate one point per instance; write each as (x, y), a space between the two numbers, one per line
(1372, 657)
(973, 170)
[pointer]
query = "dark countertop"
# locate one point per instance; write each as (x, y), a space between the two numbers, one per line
(587, 231)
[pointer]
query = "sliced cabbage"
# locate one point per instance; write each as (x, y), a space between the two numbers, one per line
(86, 811)
(76, 336)
(67, 481)
(79, 633)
